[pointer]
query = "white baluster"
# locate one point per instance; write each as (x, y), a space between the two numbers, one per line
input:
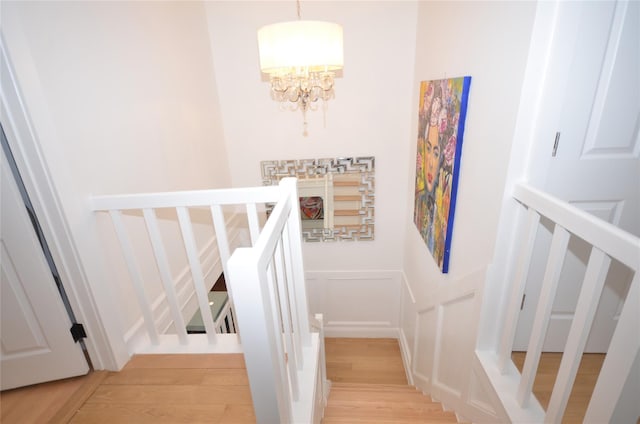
(165, 274)
(587, 305)
(285, 312)
(624, 347)
(134, 272)
(557, 253)
(254, 223)
(196, 272)
(519, 284)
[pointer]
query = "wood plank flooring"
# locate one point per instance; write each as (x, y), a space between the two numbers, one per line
(377, 361)
(173, 389)
(150, 389)
(369, 385)
(47, 402)
(546, 376)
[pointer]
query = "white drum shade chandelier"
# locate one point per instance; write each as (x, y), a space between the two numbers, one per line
(301, 58)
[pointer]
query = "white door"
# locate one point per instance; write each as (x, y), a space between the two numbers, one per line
(36, 344)
(596, 166)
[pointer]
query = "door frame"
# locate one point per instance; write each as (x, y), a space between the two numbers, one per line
(39, 184)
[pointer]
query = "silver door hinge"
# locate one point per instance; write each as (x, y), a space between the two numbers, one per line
(522, 303)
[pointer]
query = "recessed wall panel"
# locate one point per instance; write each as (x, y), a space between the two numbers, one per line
(456, 341)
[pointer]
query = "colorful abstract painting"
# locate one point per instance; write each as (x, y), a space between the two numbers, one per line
(441, 114)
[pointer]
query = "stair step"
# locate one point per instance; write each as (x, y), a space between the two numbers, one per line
(382, 403)
(378, 420)
(381, 395)
(340, 386)
(386, 412)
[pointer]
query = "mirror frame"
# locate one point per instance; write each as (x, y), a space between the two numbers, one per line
(313, 169)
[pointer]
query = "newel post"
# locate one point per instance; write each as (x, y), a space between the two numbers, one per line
(263, 353)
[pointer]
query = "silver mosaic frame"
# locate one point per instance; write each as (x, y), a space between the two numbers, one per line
(274, 170)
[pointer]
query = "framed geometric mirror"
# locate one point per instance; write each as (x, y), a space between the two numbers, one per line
(336, 195)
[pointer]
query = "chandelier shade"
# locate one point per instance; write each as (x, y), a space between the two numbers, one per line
(300, 58)
(300, 47)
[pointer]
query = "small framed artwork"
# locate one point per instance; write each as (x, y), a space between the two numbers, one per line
(441, 115)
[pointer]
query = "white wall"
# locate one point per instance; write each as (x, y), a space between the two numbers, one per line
(122, 98)
(488, 41)
(370, 116)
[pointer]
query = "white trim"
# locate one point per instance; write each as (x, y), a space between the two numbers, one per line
(614, 241)
(405, 280)
(198, 343)
(407, 357)
(505, 385)
(194, 198)
(362, 330)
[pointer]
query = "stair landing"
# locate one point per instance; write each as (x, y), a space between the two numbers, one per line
(369, 385)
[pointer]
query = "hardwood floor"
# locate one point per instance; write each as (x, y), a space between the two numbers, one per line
(173, 389)
(150, 389)
(546, 376)
(53, 402)
(369, 385)
(364, 361)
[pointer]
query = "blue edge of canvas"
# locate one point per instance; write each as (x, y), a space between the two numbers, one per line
(456, 171)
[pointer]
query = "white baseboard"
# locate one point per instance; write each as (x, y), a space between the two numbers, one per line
(360, 332)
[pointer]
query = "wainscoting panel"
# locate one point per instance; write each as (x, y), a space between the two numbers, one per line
(356, 303)
(425, 348)
(440, 333)
(454, 344)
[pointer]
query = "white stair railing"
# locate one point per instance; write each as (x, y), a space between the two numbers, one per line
(148, 203)
(608, 243)
(271, 303)
(266, 288)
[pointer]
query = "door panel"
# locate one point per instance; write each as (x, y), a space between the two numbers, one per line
(36, 344)
(597, 165)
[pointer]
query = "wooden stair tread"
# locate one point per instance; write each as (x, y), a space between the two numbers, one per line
(378, 420)
(381, 414)
(340, 386)
(382, 403)
(381, 397)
